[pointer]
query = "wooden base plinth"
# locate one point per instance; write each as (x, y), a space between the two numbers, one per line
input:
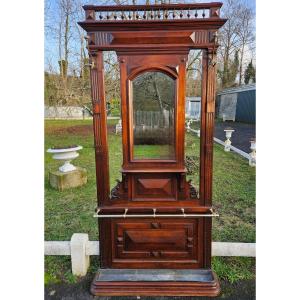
(152, 282)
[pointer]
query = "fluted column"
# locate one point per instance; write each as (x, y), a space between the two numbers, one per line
(206, 144)
(100, 128)
(207, 126)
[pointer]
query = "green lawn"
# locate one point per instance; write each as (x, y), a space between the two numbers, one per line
(153, 152)
(71, 211)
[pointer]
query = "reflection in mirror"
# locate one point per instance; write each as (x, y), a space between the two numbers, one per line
(193, 116)
(153, 95)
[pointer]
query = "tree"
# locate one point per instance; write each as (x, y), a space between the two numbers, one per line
(250, 73)
(193, 73)
(229, 78)
(68, 72)
(63, 68)
(228, 39)
(237, 34)
(245, 32)
(234, 68)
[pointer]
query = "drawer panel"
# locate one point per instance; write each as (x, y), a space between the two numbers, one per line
(154, 187)
(156, 243)
(154, 239)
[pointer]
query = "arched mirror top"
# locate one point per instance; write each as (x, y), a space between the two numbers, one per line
(162, 69)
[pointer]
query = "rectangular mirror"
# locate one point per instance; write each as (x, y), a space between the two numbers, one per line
(153, 100)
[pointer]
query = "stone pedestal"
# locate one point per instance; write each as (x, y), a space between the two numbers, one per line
(62, 181)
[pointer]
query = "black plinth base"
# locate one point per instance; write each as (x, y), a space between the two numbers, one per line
(151, 282)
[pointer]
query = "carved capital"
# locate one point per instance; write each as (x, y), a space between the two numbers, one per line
(91, 39)
(93, 52)
(212, 57)
(92, 59)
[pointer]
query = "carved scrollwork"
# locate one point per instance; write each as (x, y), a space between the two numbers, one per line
(114, 194)
(193, 191)
(118, 192)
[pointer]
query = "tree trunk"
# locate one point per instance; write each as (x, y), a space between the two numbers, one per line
(66, 37)
(241, 63)
(226, 67)
(157, 94)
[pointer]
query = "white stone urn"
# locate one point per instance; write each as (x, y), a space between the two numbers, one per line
(228, 134)
(119, 127)
(188, 123)
(66, 154)
(252, 155)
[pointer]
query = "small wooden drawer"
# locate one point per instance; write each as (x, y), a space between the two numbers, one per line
(154, 187)
(156, 243)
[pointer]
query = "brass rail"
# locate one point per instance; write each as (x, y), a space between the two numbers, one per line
(154, 215)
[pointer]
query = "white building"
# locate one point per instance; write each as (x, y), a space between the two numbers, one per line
(193, 107)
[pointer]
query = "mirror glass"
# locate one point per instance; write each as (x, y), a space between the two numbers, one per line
(153, 99)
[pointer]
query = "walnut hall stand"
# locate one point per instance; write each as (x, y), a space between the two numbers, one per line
(154, 227)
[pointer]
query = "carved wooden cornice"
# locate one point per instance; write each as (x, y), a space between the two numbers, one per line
(152, 27)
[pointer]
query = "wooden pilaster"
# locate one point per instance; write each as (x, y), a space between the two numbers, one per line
(206, 144)
(100, 129)
(207, 126)
(101, 148)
